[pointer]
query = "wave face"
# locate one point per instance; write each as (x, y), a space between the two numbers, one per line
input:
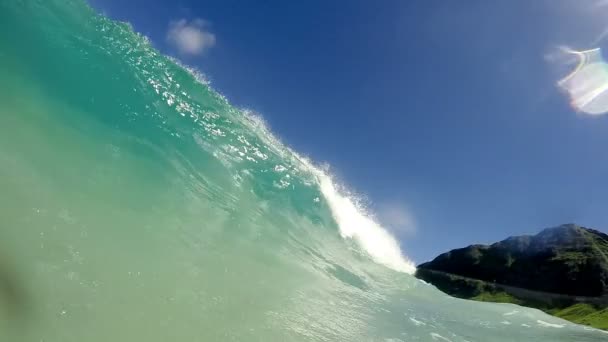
(137, 204)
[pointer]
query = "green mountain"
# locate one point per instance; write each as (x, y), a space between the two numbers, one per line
(567, 259)
(559, 270)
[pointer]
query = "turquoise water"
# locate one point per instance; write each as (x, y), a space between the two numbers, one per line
(137, 204)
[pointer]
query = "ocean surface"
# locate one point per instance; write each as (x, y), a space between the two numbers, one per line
(138, 204)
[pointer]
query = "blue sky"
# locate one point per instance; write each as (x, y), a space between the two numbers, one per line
(445, 114)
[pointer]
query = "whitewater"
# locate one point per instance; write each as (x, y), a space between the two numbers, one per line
(138, 204)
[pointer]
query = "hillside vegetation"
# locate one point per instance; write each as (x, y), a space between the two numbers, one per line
(561, 270)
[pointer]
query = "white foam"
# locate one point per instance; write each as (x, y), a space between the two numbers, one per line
(596, 330)
(194, 72)
(352, 220)
(355, 224)
(417, 322)
(549, 325)
(437, 337)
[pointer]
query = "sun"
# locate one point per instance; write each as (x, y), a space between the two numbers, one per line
(587, 84)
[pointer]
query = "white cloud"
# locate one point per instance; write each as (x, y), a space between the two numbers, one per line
(601, 3)
(397, 217)
(190, 38)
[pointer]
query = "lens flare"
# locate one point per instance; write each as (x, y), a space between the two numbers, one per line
(587, 85)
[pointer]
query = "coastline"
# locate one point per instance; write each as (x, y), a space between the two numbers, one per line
(590, 311)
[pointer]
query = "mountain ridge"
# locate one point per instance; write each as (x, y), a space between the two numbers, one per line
(561, 270)
(567, 259)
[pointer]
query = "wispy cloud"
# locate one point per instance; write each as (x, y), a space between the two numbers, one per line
(585, 21)
(397, 217)
(190, 37)
(601, 3)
